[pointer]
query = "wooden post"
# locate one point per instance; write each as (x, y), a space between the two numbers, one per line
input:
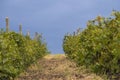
(7, 24)
(78, 30)
(20, 29)
(73, 33)
(36, 36)
(28, 33)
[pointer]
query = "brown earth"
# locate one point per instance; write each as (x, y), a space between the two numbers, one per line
(56, 67)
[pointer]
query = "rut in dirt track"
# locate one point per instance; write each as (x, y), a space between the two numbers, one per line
(55, 67)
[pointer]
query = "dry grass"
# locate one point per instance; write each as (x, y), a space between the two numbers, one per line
(57, 67)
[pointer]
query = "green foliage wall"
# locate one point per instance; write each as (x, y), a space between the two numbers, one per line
(98, 46)
(17, 52)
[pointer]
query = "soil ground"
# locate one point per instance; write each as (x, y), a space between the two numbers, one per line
(56, 67)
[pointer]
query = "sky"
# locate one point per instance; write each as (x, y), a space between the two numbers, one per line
(53, 18)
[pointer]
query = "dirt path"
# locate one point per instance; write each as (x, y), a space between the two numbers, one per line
(56, 67)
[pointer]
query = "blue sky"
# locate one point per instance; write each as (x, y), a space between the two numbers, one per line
(53, 18)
